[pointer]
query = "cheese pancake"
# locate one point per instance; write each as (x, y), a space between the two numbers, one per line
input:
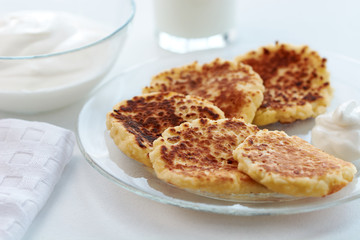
(234, 88)
(296, 83)
(292, 166)
(134, 124)
(198, 156)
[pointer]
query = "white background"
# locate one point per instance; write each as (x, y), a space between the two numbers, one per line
(85, 205)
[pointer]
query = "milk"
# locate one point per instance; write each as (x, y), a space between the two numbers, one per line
(194, 19)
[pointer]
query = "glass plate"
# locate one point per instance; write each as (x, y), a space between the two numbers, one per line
(100, 151)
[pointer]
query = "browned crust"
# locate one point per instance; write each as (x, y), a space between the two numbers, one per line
(292, 75)
(289, 156)
(229, 86)
(198, 155)
(149, 115)
(290, 165)
(300, 78)
(143, 118)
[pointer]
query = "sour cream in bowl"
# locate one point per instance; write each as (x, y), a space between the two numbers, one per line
(52, 57)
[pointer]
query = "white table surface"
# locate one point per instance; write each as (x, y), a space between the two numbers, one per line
(86, 205)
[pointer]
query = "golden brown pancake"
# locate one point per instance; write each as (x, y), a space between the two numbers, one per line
(134, 124)
(234, 88)
(296, 82)
(197, 155)
(292, 166)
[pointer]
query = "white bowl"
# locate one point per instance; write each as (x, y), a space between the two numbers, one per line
(65, 76)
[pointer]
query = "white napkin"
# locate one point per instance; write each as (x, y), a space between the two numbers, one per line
(32, 158)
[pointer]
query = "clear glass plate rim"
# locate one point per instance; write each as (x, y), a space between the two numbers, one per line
(230, 210)
(236, 209)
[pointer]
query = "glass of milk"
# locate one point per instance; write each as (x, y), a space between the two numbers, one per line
(190, 25)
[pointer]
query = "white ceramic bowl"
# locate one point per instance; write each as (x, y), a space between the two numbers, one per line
(71, 73)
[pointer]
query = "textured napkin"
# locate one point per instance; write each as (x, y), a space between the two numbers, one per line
(32, 158)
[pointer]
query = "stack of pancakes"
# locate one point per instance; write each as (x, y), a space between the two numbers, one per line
(197, 125)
